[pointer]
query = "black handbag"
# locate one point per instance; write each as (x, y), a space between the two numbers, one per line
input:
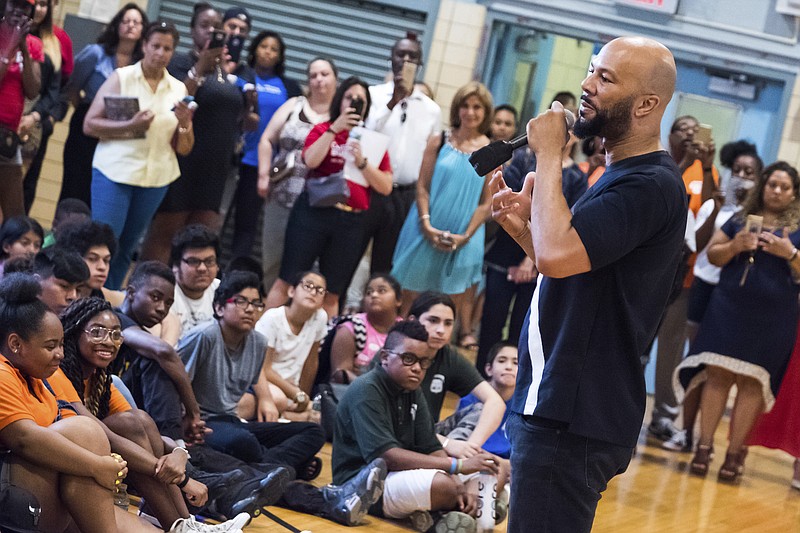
(9, 143)
(328, 191)
(282, 168)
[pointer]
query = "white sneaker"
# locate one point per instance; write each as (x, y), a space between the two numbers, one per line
(187, 525)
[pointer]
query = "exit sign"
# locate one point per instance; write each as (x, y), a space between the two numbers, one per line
(660, 6)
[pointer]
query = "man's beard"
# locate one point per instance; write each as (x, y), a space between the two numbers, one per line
(611, 123)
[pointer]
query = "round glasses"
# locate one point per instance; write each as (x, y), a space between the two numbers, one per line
(409, 359)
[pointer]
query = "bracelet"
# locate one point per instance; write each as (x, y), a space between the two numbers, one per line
(459, 466)
(424, 217)
(187, 129)
(329, 130)
(794, 254)
(446, 442)
(363, 165)
(184, 481)
(453, 466)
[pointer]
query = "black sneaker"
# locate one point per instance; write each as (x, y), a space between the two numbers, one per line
(349, 503)
(662, 429)
(258, 493)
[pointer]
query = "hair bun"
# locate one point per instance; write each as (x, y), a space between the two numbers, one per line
(19, 289)
(201, 6)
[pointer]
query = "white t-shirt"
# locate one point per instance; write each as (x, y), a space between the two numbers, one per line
(291, 351)
(703, 269)
(192, 312)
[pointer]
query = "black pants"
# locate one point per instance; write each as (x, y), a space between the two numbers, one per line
(32, 175)
(154, 392)
(383, 221)
(78, 156)
(248, 207)
(499, 295)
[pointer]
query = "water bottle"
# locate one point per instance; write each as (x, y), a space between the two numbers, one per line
(487, 493)
(121, 498)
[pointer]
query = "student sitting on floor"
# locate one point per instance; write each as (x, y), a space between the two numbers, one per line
(384, 414)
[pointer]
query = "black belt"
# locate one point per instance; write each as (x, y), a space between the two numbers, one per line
(407, 187)
(542, 422)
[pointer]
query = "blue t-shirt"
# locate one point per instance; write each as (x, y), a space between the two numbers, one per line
(580, 346)
(272, 94)
(497, 443)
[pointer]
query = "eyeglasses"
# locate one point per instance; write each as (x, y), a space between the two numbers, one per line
(404, 107)
(319, 290)
(209, 262)
(98, 334)
(131, 22)
(241, 302)
(409, 359)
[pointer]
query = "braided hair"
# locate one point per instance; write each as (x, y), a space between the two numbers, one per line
(74, 318)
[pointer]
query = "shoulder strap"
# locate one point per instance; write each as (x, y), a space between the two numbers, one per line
(444, 140)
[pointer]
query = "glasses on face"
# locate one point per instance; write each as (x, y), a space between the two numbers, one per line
(98, 334)
(319, 290)
(241, 302)
(209, 262)
(409, 359)
(131, 22)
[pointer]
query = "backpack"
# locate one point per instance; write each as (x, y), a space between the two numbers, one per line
(360, 333)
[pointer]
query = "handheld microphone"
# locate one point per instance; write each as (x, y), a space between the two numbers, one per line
(495, 154)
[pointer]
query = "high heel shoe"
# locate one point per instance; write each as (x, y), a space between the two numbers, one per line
(731, 470)
(702, 457)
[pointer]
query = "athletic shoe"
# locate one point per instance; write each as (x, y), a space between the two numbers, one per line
(679, 442)
(261, 493)
(349, 503)
(420, 521)
(456, 522)
(188, 525)
(662, 429)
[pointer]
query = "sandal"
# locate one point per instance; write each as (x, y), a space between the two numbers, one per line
(468, 342)
(310, 470)
(702, 457)
(731, 470)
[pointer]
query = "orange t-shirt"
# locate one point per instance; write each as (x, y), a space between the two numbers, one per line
(26, 399)
(60, 382)
(693, 180)
(584, 166)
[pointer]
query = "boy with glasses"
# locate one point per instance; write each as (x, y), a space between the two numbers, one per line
(384, 415)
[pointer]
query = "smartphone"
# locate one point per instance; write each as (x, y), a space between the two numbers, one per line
(703, 133)
(409, 74)
(189, 101)
(358, 105)
(235, 44)
(754, 224)
(217, 39)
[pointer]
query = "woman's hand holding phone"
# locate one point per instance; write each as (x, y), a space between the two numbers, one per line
(346, 121)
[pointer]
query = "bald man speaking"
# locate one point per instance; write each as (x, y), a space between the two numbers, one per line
(606, 269)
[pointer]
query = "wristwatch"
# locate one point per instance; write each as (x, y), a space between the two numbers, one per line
(300, 398)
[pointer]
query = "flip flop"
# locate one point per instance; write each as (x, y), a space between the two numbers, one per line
(310, 470)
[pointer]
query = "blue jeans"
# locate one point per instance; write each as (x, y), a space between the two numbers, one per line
(128, 210)
(558, 476)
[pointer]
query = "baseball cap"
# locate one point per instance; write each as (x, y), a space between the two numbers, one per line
(19, 510)
(235, 12)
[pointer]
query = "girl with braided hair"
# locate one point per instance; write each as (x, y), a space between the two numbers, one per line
(59, 469)
(92, 336)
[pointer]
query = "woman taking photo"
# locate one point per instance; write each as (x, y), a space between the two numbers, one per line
(20, 58)
(350, 357)
(267, 62)
(60, 459)
(92, 338)
(440, 247)
(195, 197)
(135, 160)
(749, 327)
(281, 142)
(327, 234)
(118, 46)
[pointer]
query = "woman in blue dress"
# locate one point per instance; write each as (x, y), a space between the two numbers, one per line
(749, 327)
(440, 247)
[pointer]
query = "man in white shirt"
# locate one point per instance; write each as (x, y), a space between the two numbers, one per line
(409, 119)
(194, 262)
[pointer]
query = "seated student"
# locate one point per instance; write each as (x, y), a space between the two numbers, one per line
(384, 414)
(68, 211)
(59, 272)
(92, 336)
(59, 462)
(223, 358)
(358, 339)
(293, 333)
(193, 259)
(95, 242)
(149, 366)
(451, 372)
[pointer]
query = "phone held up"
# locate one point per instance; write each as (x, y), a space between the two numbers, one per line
(218, 38)
(358, 105)
(409, 74)
(703, 134)
(235, 44)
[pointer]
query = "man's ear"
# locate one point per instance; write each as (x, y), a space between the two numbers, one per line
(129, 292)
